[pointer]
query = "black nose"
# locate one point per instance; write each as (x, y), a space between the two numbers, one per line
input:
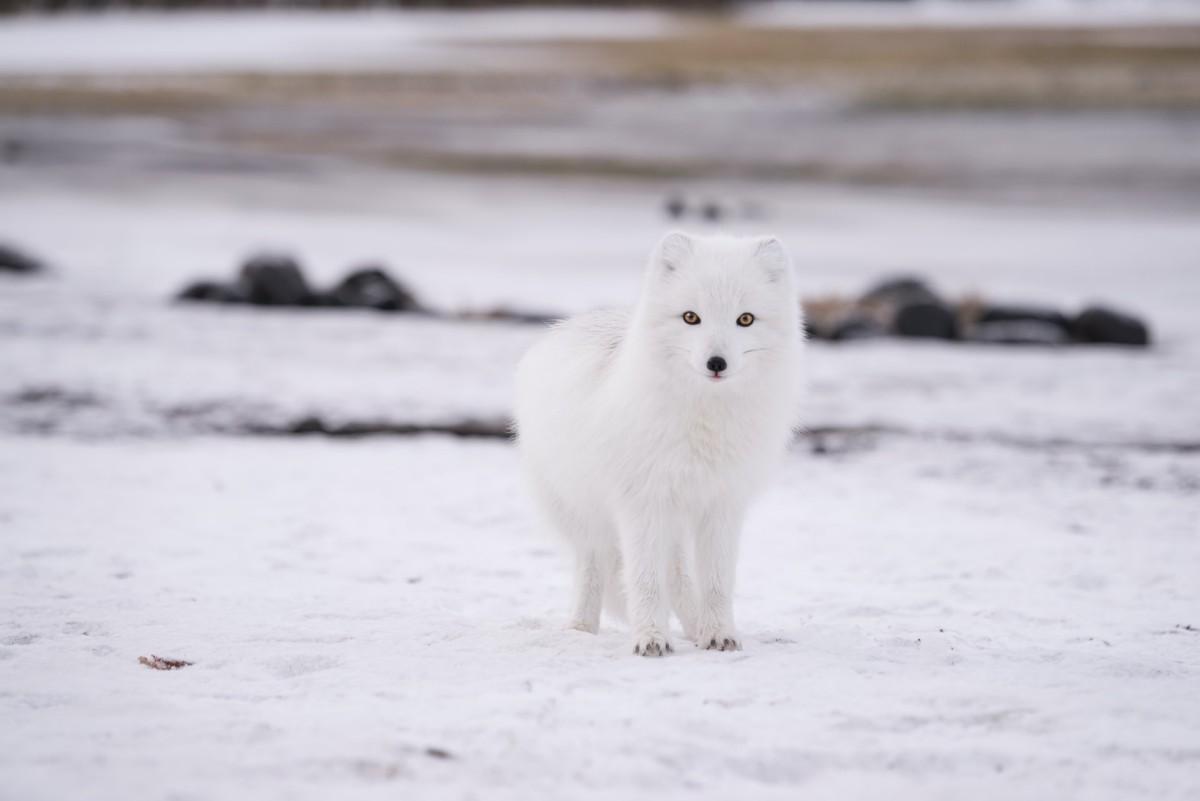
(717, 364)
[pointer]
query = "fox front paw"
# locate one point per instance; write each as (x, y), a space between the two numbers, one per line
(720, 641)
(651, 644)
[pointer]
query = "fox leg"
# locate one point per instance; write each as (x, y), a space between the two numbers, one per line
(589, 590)
(716, 565)
(645, 549)
(683, 591)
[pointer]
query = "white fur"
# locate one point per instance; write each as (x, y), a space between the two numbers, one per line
(641, 459)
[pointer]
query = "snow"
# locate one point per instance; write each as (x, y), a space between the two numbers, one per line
(195, 42)
(998, 601)
(920, 619)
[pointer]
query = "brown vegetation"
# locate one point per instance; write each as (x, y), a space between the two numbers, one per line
(158, 663)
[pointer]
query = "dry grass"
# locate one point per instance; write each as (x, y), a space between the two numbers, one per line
(158, 663)
(971, 67)
(174, 95)
(1142, 67)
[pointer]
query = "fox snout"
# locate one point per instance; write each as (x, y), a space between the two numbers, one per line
(717, 365)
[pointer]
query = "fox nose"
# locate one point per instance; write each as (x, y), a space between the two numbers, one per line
(716, 364)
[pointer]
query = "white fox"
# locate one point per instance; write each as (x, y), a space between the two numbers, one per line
(644, 435)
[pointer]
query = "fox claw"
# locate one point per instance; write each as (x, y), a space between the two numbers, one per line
(723, 644)
(652, 645)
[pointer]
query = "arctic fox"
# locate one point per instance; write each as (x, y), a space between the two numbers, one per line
(644, 434)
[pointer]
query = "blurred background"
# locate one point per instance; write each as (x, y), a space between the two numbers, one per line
(1023, 161)
(1041, 157)
(248, 250)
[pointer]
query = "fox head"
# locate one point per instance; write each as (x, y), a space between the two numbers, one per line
(719, 309)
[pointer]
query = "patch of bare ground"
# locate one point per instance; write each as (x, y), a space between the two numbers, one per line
(1138, 67)
(1135, 67)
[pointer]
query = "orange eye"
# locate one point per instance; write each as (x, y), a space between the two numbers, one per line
(691, 318)
(746, 320)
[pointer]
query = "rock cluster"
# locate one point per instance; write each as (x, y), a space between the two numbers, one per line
(906, 306)
(903, 306)
(708, 210)
(272, 279)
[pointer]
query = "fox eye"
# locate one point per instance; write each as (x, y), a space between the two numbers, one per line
(746, 320)
(691, 318)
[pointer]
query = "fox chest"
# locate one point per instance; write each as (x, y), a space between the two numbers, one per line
(694, 456)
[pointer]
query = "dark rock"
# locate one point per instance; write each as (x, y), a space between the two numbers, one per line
(1099, 325)
(900, 290)
(1018, 325)
(1019, 332)
(857, 326)
(309, 425)
(712, 211)
(372, 288)
(1040, 314)
(54, 396)
(926, 319)
(467, 428)
(212, 292)
(14, 261)
(12, 150)
(274, 280)
(675, 207)
(911, 309)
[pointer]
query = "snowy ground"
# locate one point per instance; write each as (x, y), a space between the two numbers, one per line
(924, 621)
(207, 42)
(999, 600)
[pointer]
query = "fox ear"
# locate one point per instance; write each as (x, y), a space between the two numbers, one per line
(673, 252)
(770, 255)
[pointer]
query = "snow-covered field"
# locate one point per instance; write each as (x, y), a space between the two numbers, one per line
(207, 42)
(1000, 600)
(924, 621)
